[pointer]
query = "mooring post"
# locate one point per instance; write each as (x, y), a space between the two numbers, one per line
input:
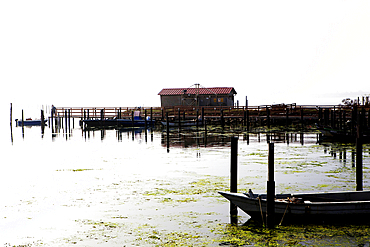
(69, 119)
(151, 115)
(302, 118)
(222, 118)
(203, 115)
(11, 114)
(270, 210)
(168, 132)
(234, 177)
(42, 122)
(359, 175)
(22, 119)
(287, 116)
(22, 124)
(179, 118)
(245, 118)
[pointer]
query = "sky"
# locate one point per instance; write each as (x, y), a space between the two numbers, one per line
(122, 53)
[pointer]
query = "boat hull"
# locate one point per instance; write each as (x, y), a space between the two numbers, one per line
(337, 207)
(182, 123)
(116, 123)
(29, 122)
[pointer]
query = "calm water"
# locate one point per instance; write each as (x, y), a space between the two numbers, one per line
(126, 188)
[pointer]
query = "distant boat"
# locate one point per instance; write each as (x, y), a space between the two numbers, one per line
(29, 122)
(116, 123)
(344, 207)
(186, 123)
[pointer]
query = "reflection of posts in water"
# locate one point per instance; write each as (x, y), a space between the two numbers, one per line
(234, 178)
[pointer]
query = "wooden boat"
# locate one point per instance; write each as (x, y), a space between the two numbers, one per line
(29, 122)
(187, 123)
(117, 123)
(340, 207)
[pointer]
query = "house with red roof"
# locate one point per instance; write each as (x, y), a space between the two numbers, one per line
(197, 96)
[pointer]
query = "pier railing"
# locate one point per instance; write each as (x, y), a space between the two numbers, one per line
(323, 113)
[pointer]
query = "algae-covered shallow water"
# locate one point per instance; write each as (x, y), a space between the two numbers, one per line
(112, 188)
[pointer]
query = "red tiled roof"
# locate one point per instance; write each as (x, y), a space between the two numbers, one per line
(210, 90)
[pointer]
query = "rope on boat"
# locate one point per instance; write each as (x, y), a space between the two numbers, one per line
(282, 218)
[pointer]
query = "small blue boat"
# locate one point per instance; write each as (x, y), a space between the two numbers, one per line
(29, 122)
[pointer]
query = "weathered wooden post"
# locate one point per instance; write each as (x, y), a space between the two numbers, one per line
(66, 119)
(302, 118)
(203, 115)
(145, 122)
(268, 116)
(270, 210)
(359, 175)
(168, 132)
(248, 121)
(11, 114)
(287, 116)
(179, 117)
(132, 119)
(22, 119)
(222, 118)
(245, 117)
(69, 119)
(151, 115)
(42, 122)
(22, 124)
(234, 177)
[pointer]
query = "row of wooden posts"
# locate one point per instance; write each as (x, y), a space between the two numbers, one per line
(335, 116)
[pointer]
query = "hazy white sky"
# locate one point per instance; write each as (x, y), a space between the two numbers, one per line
(122, 53)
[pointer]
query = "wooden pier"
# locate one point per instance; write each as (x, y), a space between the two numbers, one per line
(251, 116)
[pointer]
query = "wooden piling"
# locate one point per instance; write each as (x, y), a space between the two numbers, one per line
(270, 210)
(66, 119)
(359, 173)
(168, 132)
(145, 122)
(42, 121)
(22, 119)
(11, 114)
(302, 119)
(222, 118)
(203, 116)
(179, 117)
(234, 176)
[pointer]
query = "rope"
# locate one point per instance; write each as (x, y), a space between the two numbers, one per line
(282, 218)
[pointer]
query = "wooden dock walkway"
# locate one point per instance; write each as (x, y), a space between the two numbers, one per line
(252, 115)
